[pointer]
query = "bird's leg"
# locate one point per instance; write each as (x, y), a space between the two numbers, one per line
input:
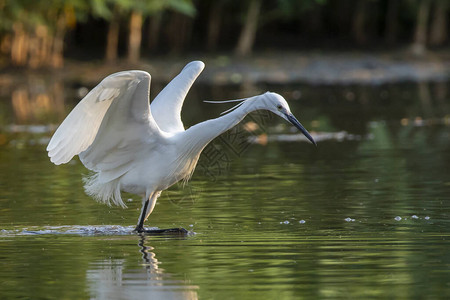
(147, 208)
(140, 225)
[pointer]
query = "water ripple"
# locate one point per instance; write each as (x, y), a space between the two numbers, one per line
(88, 230)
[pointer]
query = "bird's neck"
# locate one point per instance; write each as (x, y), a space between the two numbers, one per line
(199, 135)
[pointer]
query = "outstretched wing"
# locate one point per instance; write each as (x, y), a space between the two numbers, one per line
(166, 107)
(109, 126)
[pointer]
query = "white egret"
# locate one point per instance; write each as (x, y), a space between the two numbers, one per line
(143, 149)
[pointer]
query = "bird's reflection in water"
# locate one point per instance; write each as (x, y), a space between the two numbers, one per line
(150, 261)
(116, 279)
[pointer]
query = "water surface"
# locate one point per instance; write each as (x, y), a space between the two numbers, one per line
(365, 214)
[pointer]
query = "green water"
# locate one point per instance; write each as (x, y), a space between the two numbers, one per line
(363, 215)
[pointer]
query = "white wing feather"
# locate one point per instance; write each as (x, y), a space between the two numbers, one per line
(166, 107)
(111, 125)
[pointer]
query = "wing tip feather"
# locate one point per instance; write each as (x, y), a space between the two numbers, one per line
(56, 161)
(197, 64)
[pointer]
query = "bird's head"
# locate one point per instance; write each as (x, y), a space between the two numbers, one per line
(279, 106)
(268, 101)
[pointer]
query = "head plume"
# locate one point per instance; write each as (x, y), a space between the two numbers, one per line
(241, 101)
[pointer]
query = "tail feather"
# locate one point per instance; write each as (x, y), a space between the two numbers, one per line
(103, 192)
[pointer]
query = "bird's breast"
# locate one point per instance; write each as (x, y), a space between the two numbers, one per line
(159, 172)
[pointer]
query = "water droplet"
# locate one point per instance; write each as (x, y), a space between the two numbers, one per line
(302, 221)
(286, 222)
(349, 220)
(427, 218)
(398, 218)
(414, 217)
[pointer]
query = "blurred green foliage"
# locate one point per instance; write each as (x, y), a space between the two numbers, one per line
(45, 29)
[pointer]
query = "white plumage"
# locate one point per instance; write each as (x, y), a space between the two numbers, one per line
(142, 149)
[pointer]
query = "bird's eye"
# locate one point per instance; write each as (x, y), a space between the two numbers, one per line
(279, 107)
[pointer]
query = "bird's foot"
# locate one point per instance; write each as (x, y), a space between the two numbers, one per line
(169, 231)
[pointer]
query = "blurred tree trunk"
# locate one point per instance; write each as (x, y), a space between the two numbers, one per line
(135, 37)
(112, 38)
(341, 17)
(40, 46)
(5, 44)
(248, 33)
(57, 56)
(359, 22)
(19, 45)
(33, 51)
(391, 22)
(214, 23)
(154, 30)
(315, 21)
(179, 31)
(420, 34)
(439, 29)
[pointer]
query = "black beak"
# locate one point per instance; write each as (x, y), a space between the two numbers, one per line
(297, 124)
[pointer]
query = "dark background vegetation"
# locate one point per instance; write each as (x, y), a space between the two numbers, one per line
(39, 34)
